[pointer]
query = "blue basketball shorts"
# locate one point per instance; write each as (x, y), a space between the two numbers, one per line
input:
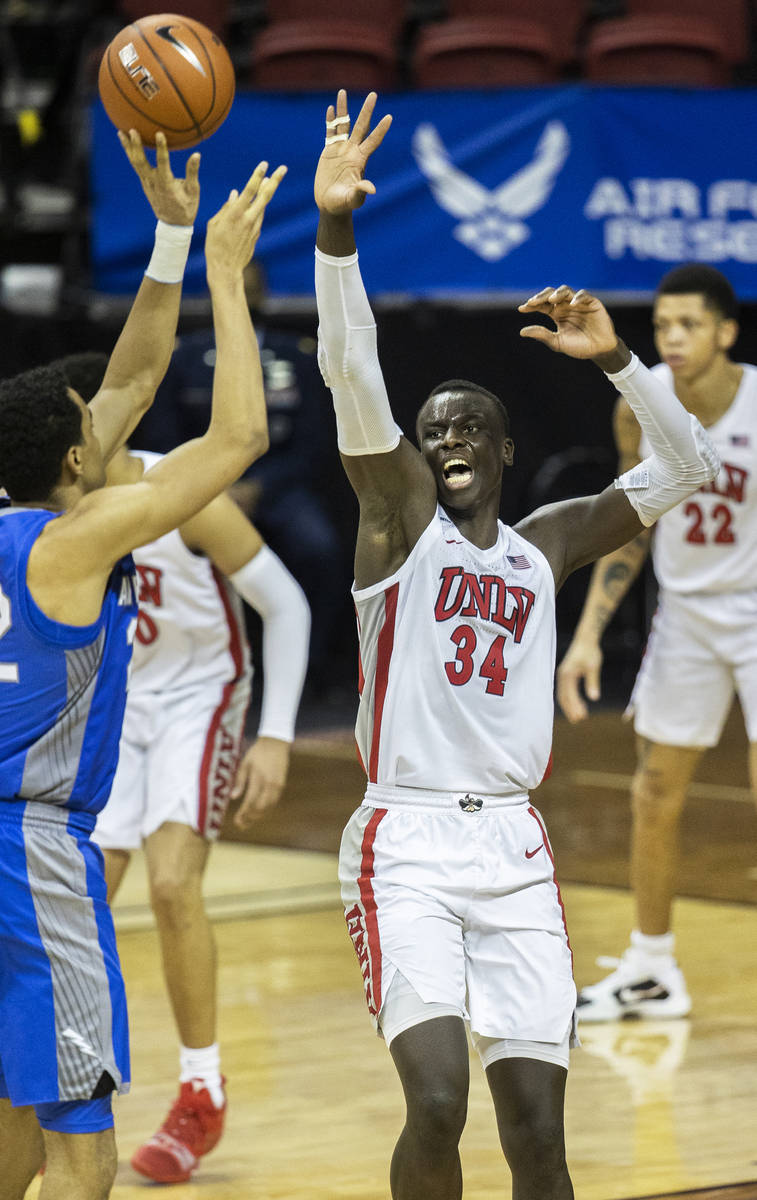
(62, 1002)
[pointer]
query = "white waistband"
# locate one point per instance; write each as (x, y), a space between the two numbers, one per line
(381, 796)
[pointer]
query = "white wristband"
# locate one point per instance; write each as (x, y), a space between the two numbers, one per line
(170, 253)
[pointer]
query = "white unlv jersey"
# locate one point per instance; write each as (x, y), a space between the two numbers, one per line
(708, 543)
(457, 657)
(190, 630)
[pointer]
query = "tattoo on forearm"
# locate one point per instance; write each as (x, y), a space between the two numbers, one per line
(615, 579)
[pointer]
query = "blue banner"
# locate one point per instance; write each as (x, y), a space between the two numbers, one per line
(479, 192)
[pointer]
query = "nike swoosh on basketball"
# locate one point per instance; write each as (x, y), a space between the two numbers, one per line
(166, 32)
(531, 853)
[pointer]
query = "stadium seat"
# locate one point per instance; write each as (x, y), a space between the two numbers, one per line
(669, 49)
(322, 55)
(475, 52)
(213, 13)
(563, 18)
(730, 16)
(388, 14)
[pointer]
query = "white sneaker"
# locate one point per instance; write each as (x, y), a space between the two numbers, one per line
(640, 986)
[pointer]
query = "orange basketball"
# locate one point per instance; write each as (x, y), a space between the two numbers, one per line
(169, 73)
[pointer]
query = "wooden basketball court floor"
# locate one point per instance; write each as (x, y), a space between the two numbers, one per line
(654, 1109)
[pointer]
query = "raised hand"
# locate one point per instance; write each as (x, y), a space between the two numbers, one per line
(340, 185)
(234, 231)
(583, 325)
(173, 200)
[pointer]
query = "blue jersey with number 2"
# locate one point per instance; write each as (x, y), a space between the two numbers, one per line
(62, 687)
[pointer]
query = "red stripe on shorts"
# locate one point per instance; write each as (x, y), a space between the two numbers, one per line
(237, 657)
(548, 849)
(360, 674)
(372, 978)
(383, 659)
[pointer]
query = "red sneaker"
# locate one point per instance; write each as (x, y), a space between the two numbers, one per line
(192, 1128)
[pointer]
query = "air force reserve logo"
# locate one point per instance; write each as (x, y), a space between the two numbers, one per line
(491, 222)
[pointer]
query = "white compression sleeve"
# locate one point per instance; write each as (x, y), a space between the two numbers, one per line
(348, 358)
(683, 456)
(268, 587)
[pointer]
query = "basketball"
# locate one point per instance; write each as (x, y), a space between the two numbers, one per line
(170, 73)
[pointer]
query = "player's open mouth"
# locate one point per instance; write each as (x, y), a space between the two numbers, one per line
(457, 473)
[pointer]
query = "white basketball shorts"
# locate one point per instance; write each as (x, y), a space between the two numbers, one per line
(458, 894)
(701, 650)
(177, 761)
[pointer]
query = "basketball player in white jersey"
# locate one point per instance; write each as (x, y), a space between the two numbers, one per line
(703, 644)
(446, 869)
(180, 763)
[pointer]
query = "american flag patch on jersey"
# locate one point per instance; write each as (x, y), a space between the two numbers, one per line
(519, 561)
(739, 439)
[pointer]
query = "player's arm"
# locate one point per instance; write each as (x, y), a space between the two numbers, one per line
(143, 351)
(575, 532)
(223, 533)
(581, 666)
(394, 486)
(72, 558)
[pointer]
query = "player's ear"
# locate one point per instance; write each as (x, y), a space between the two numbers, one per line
(508, 452)
(73, 462)
(728, 331)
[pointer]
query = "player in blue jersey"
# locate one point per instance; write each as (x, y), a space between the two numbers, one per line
(67, 617)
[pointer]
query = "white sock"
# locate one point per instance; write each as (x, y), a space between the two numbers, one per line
(203, 1064)
(661, 945)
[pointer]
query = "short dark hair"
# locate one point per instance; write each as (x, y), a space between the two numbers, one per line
(466, 386)
(84, 371)
(702, 280)
(39, 423)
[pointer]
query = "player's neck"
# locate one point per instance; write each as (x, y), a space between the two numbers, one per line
(58, 501)
(710, 394)
(479, 527)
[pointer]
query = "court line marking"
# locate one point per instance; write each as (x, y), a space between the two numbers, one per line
(132, 917)
(698, 791)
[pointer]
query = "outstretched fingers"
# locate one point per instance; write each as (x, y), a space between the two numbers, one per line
(547, 299)
(252, 187)
(193, 171)
(540, 333)
(376, 137)
(162, 158)
(268, 187)
(134, 150)
(363, 122)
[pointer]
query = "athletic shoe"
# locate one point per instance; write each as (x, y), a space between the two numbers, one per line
(640, 986)
(192, 1128)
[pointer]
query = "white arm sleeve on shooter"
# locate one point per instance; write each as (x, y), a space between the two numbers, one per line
(348, 358)
(267, 586)
(683, 457)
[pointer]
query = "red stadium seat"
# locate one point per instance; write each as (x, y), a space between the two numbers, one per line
(388, 14)
(475, 52)
(665, 49)
(213, 13)
(730, 16)
(322, 55)
(563, 18)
